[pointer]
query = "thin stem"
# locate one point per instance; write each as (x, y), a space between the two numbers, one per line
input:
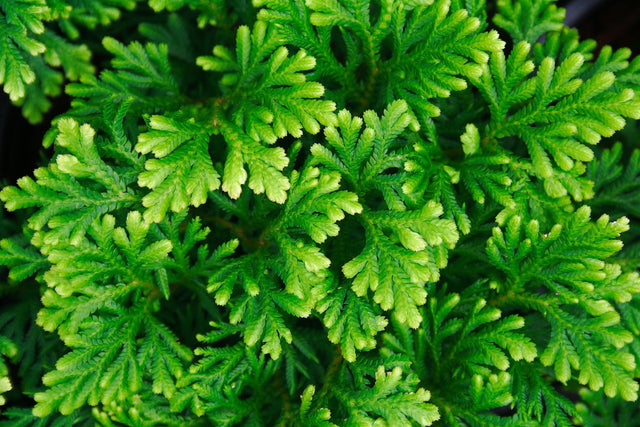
(288, 415)
(332, 373)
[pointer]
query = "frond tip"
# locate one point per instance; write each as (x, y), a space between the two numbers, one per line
(182, 173)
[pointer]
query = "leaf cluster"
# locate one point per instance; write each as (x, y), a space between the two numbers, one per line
(345, 212)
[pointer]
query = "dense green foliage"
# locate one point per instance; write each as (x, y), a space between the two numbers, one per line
(320, 212)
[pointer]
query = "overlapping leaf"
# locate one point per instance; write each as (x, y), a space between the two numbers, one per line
(182, 173)
(397, 273)
(109, 266)
(538, 400)
(555, 113)
(449, 46)
(293, 19)
(403, 249)
(314, 206)
(74, 190)
(352, 322)
(387, 401)
(527, 20)
(110, 360)
(271, 99)
(141, 74)
(19, 22)
(578, 287)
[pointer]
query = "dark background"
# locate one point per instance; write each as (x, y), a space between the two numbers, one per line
(612, 22)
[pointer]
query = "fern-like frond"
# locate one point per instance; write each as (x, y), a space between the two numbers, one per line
(313, 207)
(599, 410)
(617, 185)
(528, 20)
(537, 400)
(22, 260)
(316, 417)
(212, 13)
(7, 349)
(568, 266)
(225, 384)
(264, 163)
(264, 309)
(20, 21)
(75, 189)
(387, 401)
(182, 173)
(141, 74)
(30, 350)
(463, 344)
(266, 97)
(432, 175)
(23, 417)
(351, 321)
(449, 46)
(366, 159)
(413, 242)
(270, 93)
(110, 359)
(109, 267)
(293, 19)
(403, 251)
(555, 113)
(451, 330)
